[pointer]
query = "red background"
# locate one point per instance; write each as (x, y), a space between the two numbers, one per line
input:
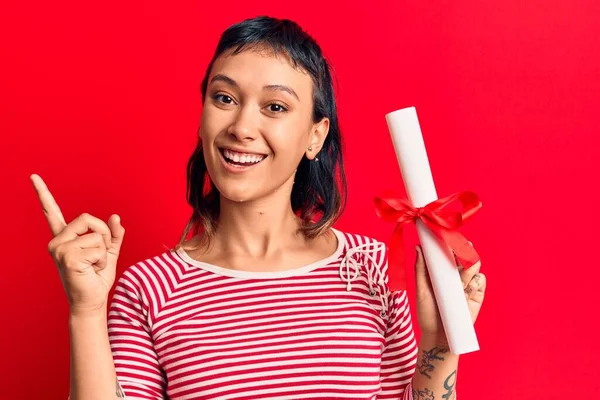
(102, 100)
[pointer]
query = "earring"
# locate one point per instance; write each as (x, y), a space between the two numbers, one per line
(316, 158)
(309, 148)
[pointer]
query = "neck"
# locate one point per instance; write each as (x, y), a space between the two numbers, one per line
(260, 227)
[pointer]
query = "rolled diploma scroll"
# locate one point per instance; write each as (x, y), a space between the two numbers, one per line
(445, 277)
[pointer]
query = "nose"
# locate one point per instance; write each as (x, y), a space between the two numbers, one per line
(244, 126)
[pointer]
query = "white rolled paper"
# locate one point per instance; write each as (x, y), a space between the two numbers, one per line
(408, 143)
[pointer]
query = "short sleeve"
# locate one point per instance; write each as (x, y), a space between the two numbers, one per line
(138, 370)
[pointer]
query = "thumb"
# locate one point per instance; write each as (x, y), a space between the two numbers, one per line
(421, 274)
(117, 233)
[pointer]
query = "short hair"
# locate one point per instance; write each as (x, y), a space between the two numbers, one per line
(319, 193)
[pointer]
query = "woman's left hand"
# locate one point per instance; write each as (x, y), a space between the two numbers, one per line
(428, 314)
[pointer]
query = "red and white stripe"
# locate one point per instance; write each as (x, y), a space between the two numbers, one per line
(182, 329)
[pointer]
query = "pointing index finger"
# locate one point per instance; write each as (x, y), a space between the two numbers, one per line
(49, 206)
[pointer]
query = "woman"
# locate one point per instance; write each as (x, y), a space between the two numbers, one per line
(266, 300)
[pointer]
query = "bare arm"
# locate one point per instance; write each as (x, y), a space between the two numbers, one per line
(93, 374)
(435, 376)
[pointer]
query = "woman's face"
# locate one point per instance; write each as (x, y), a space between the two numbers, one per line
(256, 124)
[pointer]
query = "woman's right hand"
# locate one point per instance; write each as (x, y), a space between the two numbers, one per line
(87, 262)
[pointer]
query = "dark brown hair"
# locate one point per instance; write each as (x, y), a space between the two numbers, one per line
(319, 191)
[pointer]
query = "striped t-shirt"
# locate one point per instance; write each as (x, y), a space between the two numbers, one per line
(184, 329)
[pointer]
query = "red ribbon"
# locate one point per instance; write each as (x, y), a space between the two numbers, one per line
(441, 221)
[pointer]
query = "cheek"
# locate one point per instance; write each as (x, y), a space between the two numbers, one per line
(211, 123)
(289, 141)
(208, 133)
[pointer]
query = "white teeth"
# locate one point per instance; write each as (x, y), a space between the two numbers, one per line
(241, 157)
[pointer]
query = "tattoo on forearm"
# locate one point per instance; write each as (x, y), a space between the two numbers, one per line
(120, 393)
(424, 394)
(449, 385)
(425, 364)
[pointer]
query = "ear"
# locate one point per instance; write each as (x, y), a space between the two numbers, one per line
(317, 136)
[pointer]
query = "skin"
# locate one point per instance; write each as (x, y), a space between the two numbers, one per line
(437, 367)
(86, 264)
(430, 322)
(257, 229)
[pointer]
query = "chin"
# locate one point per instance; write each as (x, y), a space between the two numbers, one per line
(236, 192)
(242, 188)
(237, 197)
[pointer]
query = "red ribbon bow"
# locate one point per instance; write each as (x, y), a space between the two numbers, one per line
(442, 222)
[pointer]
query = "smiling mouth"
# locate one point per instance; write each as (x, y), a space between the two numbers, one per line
(241, 159)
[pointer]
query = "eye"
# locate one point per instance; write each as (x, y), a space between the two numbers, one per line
(224, 96)
(279, 108)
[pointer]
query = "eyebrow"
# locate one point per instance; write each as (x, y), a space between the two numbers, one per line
(228, 80)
